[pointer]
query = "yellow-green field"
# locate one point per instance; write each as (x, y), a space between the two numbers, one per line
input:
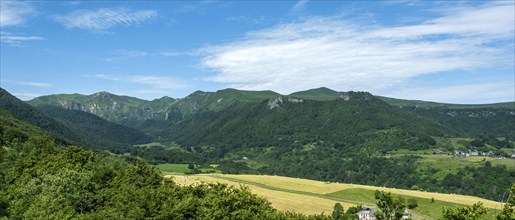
(280, 200)
(314, 197)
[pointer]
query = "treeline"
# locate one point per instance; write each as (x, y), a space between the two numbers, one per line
(322, 161)
(496, 122)
(41, 181)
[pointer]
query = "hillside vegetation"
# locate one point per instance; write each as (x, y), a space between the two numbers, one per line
(99, 131)
(40, 179)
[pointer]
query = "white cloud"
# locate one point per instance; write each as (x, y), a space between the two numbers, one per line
(103, 19)
(16, 40)
(467, 93)
(349, 56)
(14, 13)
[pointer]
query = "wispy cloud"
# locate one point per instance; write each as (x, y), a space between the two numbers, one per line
(345, 55)
(195, 7)
(248, 19)
(299, 6)
(28, 83)
(17, 40)
(125, 54)
(170, 53)
(103, 19)
(36, 84)
(25, 96)
(14, 13)
(494, 91)
(129, 54)
(156, 85)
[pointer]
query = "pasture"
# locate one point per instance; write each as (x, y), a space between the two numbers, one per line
(314, 197)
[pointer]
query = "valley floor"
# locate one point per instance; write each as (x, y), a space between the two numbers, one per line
(315, 197)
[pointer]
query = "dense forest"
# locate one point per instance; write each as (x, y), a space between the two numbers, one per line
(42, 180)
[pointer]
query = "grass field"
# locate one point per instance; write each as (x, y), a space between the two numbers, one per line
(425, 206)
(449, 164)
(280, 200)
(176, 168)
(310, 197)
(173, 168)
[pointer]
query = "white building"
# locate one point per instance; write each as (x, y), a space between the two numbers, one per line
(367, 214)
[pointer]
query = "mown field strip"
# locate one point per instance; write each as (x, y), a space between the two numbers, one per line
(318, 187)
(281, 200)
(325, 196)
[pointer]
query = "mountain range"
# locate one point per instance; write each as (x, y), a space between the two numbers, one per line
(317, 134)
(485, 119)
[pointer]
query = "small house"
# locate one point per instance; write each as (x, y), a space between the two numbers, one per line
(460, 154)
(367, 214)
(406, 215)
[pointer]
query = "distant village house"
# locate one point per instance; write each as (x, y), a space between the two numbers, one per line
(367, 214)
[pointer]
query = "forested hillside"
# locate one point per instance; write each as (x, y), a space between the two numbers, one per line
(72, 126)
(99, 132)
(360, 122)
(40, 180)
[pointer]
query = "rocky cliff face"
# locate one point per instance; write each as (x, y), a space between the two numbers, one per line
(120, 109)
(131, 111)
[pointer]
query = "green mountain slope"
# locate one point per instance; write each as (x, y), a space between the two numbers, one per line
(496, 120)
(219, 100)
(362, 120)
(71, 126)
(24, 111)
(133, 111)
(426, 104)
(98, 131)
(13, 129)
(121, 109)
(474, 122)
(319, 94)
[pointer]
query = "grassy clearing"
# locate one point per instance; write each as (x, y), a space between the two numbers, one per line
(450, 164)
(176, 168)
(173, 168)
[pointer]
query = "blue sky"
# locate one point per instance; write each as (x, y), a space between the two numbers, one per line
(457, 51)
